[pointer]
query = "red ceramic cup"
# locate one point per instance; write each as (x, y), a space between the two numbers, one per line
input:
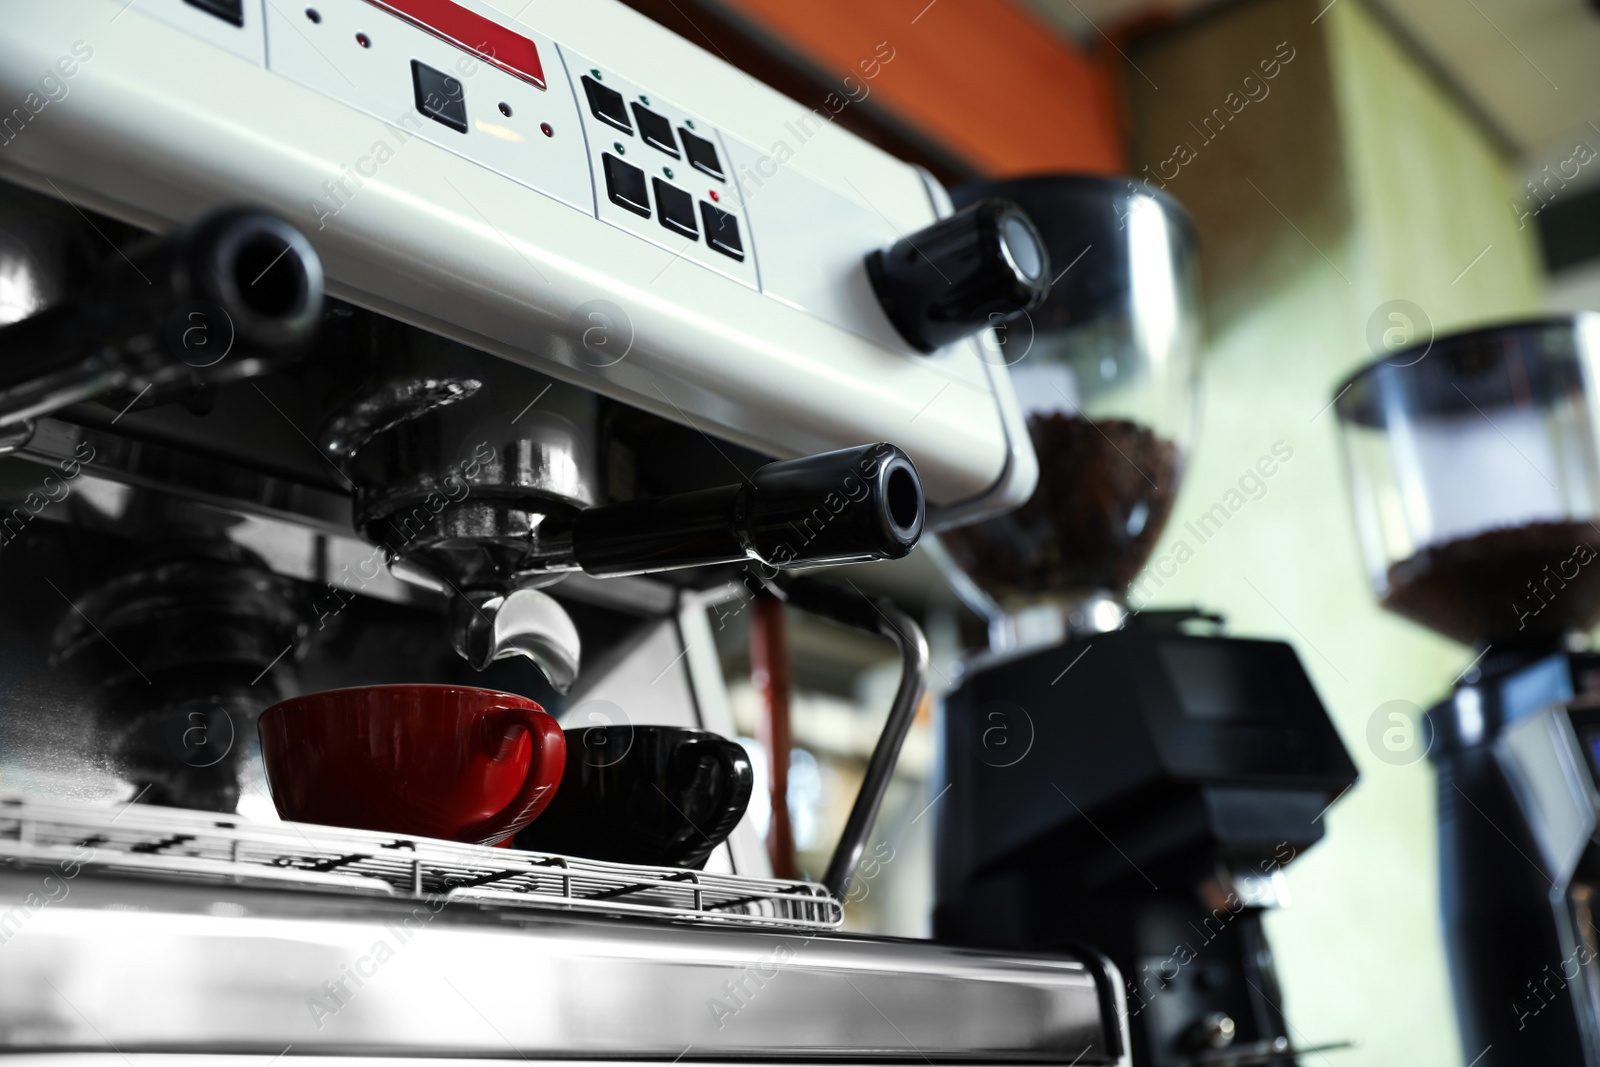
(441, 761)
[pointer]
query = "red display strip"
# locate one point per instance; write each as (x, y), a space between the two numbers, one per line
(471, 32)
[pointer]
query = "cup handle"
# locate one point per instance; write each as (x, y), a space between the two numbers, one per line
(741, 779)
(545, 767)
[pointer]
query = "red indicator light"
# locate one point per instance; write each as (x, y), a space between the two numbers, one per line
(547, 129)
(714, 197)
(471, 32)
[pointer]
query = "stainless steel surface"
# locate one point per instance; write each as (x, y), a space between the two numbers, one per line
(635, 594)
(119, 965)
(903, 630)
(465, 466)
(1215, 1030)
(178, 846)
(41, 253)
(181, 1059)
(499, 264)
(184, 648)
(159, 485)
(1055, 620)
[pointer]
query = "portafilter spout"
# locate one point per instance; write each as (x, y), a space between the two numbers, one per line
(486, 626)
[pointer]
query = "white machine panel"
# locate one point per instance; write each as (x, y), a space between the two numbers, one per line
(356, 53)
(244, 38)
(824, 239)
(487, 216)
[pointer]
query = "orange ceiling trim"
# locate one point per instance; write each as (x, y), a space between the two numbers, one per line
(985, 78)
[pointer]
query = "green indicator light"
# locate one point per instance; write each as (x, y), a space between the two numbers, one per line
(667, 171)
(618, 146)
(595, 72)
(645, 100)
(689, 123)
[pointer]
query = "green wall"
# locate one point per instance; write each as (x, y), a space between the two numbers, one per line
(1359, 180)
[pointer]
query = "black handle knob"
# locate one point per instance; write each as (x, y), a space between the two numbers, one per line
(983, 265)
(849, 506)
(236, 279)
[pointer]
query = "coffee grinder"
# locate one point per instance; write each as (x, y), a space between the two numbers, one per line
(1114, 780)
(1475, 472)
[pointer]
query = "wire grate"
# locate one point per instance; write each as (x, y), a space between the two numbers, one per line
(180, 845)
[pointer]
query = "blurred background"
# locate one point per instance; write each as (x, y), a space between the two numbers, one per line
(1361, 175)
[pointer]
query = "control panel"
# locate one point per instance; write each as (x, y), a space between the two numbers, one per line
(510, 100)
(663, 174)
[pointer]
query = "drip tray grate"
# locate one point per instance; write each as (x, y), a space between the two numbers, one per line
(191, 846)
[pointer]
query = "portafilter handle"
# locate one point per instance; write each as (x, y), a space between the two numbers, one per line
(848, 506)
(853, 505)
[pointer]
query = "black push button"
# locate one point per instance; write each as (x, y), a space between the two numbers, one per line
(606, 103)
(722, 231)
(439, 96)
(702, 153)
(674, 207)
(226, 10)
(656, 130)
(625, 185)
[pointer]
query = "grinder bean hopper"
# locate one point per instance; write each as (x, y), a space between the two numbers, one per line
(1105, 372)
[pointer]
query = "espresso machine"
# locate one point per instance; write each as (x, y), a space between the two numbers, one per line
(1475, 473)
(1118, 775)
(362, 342)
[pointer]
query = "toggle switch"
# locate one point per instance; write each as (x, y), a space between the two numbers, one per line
(226, 10)
(625, 185)
(439, 96)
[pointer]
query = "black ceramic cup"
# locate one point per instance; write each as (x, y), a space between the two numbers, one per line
(663, 796)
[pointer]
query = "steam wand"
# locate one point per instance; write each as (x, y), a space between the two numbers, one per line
(881, 617)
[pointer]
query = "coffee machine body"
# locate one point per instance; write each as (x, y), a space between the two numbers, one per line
(516, 338)
(556, 343)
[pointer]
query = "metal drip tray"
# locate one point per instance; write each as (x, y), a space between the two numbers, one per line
(178, 845)
(175, 935)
